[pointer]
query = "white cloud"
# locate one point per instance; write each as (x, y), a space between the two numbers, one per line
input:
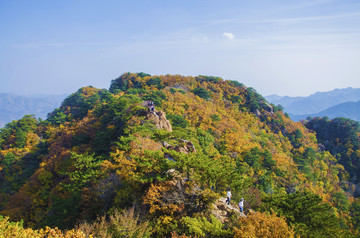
(228, 35)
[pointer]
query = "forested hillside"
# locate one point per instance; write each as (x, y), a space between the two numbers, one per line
(103, 164)
(340, 136)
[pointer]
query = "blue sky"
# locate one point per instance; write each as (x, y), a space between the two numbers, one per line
(286, 47)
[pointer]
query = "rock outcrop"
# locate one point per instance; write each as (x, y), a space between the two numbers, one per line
(159, 119)
(223, 211)
(268, 107)
(184, 146)
(182, 196)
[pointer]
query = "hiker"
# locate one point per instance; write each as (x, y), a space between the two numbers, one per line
(152, 109)
(228, 197)
(150, 104)
(241, 205)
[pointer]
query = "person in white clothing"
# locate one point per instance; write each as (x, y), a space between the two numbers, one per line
(228, 197)
(241, 205)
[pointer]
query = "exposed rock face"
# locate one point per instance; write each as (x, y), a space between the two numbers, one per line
(173, 173)
(187, 147)
(184, 147)
(168, 146)
(159, 119)
(182, 193)
(222, 211)
(269, 108)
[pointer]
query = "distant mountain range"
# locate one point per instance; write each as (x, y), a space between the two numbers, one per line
(336, 103)
(14, 107)
(347, 109)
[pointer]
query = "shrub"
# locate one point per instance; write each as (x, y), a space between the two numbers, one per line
(307, 213)
(15, 229)
(258, 224)
(212, 79)
(156, 82)
(235, 83)
(202, 227)
(177, 120)
(201, 92)
(124, 224)
(156, 96)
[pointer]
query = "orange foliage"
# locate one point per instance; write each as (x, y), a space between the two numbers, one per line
(141, 144)
(8, 229)
(258, 224)
(153, 197)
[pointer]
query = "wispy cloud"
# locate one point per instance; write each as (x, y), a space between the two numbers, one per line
(63, 45)
(228, 35)
(285, 20)
(311, 18)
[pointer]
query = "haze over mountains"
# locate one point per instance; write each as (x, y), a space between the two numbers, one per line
(14, 107)
(336, 103)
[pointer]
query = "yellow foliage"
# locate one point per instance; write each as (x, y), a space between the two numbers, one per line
(140, 144)
(165, 219)
(258, 224)
(89, 91)
(118, 224)
(153, 197)
(126, 166)
(14, 229)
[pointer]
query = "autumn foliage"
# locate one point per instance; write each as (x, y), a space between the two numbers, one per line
(258, 224)
(98, 163)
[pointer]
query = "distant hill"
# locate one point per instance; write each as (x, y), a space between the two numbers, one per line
(349, 110)
(14, 107)
(320, 103)
(285, 101)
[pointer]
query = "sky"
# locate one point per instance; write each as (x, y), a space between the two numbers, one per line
(284, 47)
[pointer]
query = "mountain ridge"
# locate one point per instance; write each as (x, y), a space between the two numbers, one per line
(317, 103)
(349, 110)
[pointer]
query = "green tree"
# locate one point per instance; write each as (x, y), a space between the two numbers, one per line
(177, 120)
(83, 172)
(307, 214)
(203, 227)
(18, 131)
(156, 82)
(340, 136)
(355, 214)
(201, 92)
(155, 96)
